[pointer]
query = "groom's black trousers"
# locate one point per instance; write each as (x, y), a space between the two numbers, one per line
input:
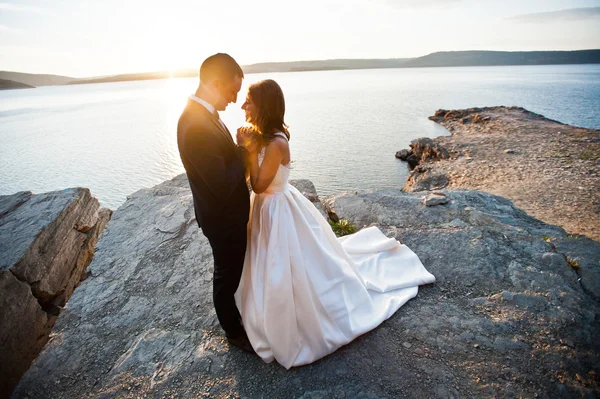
(228, 247)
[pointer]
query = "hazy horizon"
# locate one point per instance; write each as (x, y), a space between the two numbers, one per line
(105, 38)
(185, 68)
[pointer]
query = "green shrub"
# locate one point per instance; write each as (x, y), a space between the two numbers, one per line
(342, 228)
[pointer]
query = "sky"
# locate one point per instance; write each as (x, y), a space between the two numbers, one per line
(88, 38)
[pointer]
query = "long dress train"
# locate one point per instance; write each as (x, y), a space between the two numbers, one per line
(304, 292)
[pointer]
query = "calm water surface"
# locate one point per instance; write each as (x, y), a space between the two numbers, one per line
(117, 138)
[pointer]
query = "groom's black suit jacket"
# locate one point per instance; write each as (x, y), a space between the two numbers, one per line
(215, 170)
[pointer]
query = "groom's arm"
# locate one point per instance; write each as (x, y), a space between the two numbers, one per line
(242, 154)
(208, 162)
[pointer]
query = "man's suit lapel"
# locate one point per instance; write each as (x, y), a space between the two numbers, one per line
(213, 119)
(223, 130)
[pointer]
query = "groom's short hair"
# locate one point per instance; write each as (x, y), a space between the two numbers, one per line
(221, 66)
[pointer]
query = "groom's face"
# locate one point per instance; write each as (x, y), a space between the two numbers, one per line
(227, 92)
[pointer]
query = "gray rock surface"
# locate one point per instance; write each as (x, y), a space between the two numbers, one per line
(46, 242)
(507, 316)
(423, 178)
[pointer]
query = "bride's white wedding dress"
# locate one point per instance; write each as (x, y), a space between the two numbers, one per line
(304, 292)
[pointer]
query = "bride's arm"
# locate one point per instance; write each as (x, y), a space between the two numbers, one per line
(261, 177)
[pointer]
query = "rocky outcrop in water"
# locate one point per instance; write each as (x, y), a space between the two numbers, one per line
(549, 169)
(512, 312)
(46, 243)
(422, 150)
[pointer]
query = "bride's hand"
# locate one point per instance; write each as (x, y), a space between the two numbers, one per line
(246, 138)
(244, 135)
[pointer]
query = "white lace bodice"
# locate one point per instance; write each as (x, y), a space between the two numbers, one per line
(280, 181)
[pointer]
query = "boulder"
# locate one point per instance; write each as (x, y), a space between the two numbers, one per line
(403, 154)
(409, 157)
(412, 161)
(425, 149)
(494, 324)
(46, 242)
(422, 150)
(423, 178)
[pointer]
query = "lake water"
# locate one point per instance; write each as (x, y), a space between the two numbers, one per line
(346, 126)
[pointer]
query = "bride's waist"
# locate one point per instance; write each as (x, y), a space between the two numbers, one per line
(276, 189)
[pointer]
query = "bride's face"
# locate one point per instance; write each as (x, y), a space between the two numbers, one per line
(250, 109)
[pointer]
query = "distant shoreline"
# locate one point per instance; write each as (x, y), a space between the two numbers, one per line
(302, 69)
(6, 84)
(434, 60)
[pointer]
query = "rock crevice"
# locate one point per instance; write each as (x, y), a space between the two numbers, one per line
(46, 242)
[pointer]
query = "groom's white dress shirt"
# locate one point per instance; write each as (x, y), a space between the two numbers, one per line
(206, 105)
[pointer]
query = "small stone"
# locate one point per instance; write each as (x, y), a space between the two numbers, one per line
(476, 346)
(508, 296)
(567, 342)
(407, 345)
(435, 199)
(509, 151)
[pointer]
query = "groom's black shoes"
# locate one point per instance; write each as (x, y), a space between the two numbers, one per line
(242, 342)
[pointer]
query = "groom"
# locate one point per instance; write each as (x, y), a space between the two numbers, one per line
(215, 169)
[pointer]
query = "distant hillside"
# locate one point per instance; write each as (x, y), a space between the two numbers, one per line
(489, 58)
(10, 84)
(321, 65)
(182, 73)
(294, 66)
(439, 59)
(32, 79)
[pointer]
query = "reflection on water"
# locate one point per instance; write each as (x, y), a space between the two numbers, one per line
(346, 126)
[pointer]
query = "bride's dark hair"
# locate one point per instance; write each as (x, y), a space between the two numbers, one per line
(270, 104)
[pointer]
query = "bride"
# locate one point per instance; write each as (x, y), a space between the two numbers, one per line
(304, 292)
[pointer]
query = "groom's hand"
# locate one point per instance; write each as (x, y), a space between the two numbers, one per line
(246, 138)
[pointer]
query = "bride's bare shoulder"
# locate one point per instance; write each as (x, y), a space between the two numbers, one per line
(281, 146)
(279, 142)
